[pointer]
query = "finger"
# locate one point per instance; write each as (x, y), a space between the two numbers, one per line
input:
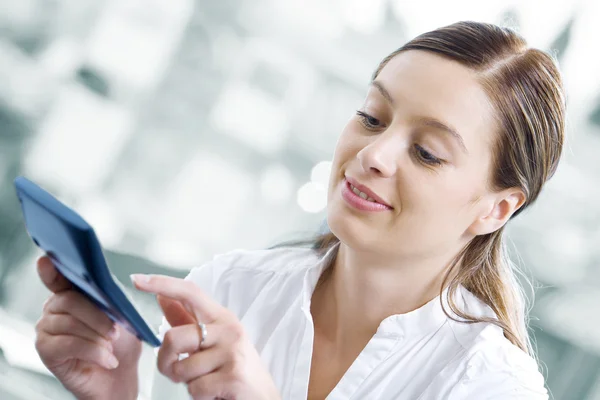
(180, 340)
(198, 364)
(81, 308)
(174, 312)
(211, 386)
(62, 348)
(187, 338)
(50, 276)
(189, 294)
(65, 324)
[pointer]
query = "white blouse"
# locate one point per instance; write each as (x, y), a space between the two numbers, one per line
(420, 355)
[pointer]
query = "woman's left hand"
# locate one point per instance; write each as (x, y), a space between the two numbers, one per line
(226, 365)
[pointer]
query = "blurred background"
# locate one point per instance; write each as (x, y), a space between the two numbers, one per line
(181, 129)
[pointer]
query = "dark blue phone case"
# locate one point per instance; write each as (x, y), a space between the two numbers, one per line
(72, 245)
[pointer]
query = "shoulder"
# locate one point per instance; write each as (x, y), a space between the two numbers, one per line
(242, 262)
(279, 260)
(238, 278)
(492, 367)
(495, 368)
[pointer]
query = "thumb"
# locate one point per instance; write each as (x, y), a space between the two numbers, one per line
(175, 312)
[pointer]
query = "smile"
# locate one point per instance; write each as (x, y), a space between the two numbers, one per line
(361, 194)
(360, 199)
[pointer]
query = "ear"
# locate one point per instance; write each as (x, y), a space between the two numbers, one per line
(503, 205)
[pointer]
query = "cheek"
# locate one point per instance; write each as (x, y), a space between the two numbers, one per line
(444, 197)
(346, 149)
(458, 200)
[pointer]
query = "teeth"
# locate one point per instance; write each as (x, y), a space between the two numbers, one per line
(361, 194)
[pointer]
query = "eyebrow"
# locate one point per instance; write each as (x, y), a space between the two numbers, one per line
(383, 91)
(427, 121)
(434, 123)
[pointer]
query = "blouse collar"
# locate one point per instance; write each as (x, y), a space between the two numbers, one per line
(421, 321)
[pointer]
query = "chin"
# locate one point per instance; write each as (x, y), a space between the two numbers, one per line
(351, 231)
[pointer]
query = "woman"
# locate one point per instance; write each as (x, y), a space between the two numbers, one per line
(409, 296)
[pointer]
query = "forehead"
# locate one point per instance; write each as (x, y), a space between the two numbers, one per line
(425, 84)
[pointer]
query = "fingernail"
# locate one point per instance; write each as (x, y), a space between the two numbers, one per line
(114, 333)
(139, 278)
(113, 362)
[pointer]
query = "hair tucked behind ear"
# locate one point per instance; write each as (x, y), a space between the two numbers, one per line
(526, 91)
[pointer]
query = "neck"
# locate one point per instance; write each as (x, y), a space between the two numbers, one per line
(363, 289)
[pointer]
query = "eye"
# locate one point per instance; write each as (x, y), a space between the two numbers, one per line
(368, 121)
(426, 156)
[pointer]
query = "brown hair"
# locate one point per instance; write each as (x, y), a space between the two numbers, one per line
(525, 88)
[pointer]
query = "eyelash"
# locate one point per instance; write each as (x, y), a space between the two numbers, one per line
(423, 155)
(364, 117)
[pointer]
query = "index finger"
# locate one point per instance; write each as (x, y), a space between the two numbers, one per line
(50, 276)
(189, 294)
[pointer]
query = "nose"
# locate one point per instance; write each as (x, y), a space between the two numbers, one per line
(380, 156)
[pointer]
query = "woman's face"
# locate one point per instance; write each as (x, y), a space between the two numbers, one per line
(434, 182)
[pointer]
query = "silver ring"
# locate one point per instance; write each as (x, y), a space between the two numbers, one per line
(204, 333)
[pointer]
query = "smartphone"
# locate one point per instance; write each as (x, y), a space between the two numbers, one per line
(73, 247)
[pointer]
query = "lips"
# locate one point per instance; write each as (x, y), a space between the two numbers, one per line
(367, 191)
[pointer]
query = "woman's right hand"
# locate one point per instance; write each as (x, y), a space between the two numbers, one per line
(93, 357)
